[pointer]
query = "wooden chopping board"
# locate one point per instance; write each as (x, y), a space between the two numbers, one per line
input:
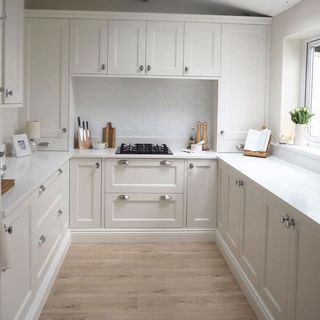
(6, 185)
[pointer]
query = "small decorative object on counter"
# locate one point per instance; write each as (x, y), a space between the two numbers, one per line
(301, 118)
(192, 139)
(33, 132)
(109, 135)
(84, 140)
(21, 145)
(199, 131)
(205, 137)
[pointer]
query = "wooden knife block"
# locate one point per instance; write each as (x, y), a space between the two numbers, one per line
(109, 136)
(84, 138)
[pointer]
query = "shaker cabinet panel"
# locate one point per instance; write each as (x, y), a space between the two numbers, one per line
(164, 52)
(202, 48)
(242, 93)
(85, 193)
(201, 194)
(88, 46)
(126, 49)
(47, 80)
(12, 82)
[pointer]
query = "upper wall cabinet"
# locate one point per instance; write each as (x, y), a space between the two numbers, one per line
(243, 83)
(88, 46)
(12, 72)
(127, 46)
(47, 80)
(164, 48)
(202, 49)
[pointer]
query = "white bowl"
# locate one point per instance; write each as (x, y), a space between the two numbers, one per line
(196, 147)
(100, 145)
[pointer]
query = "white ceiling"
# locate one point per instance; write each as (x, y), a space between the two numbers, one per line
(223, 7)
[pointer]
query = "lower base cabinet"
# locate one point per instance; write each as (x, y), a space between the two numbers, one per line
(276, 247)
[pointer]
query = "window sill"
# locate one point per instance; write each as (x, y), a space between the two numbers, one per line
(306, 151)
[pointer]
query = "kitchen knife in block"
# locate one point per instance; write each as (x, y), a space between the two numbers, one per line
(109, 135)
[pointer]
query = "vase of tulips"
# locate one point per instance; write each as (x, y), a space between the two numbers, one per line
(301, 118)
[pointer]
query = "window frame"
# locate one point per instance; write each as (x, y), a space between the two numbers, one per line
(309, 81)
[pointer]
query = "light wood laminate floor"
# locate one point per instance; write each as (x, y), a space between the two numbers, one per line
(153, 281)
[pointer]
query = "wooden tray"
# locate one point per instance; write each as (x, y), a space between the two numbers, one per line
(6, 185)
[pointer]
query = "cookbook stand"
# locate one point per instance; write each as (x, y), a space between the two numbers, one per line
(258, 154)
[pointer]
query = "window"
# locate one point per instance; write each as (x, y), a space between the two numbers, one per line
(312, 98)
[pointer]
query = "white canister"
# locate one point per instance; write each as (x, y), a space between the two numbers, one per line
(300, 134)
(196, 147)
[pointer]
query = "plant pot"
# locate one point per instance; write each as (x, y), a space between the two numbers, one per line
(300, 135)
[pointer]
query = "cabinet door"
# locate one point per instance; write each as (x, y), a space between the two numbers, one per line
(304, 279)
(164, 48)
(85, 193)
(64, 213)
(251, 228)
(13, 52)
(46, 78)
(222, 196)
(127, 47)
(202, 48)
(243, 83)
(275, 257)
(88, 46)
(202, 194)
(15, 282)
(234, 211)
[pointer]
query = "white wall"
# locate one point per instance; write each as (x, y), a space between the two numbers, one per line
(9, 124)
(288, 30)
(162, 111)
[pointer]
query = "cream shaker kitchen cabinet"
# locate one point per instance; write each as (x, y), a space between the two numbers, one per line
(16, 288)
(12, 62)
(242, 97)
(201, 194)
(127, 47)
(46, 79)
(88, 46)
(202, 46)
(164, 52)
(275, 256)
(85, 193)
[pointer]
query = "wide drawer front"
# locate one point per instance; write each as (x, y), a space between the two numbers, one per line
(46, 241)
(144, 176)
(144, 210)
(46, 196)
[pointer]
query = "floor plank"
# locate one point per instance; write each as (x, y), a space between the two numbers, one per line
(150, 281)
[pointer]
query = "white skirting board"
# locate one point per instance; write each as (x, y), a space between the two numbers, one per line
(142, 235)
(44, 290)
(249, 291)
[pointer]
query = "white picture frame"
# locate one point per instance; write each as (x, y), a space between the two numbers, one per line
(21, 145)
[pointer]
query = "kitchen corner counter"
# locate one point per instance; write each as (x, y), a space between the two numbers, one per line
(29, 173)
(298, 187)
(110, 153)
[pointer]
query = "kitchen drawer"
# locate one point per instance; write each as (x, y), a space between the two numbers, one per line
(45, 197)
(144, 176)
(144, 210)
(45, 243)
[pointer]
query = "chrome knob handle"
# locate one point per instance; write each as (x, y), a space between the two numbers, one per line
(123, 197)
(141, 68)
(284, 219)
(3, 17)
(9, 93)
(8, 229)
(60, 212)
(290, 224)
(149, 68)
(222, 132)
(166, 197)
(237, 182)
(241, 183)
(166, 163)
(123, 162)
(186, 69)
(60, 172)
(64, 130)
(42, 240)
(97, 165)
(103, 67)
(42, 189)
(192, 165)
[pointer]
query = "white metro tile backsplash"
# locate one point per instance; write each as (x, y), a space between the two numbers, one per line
(156, 110)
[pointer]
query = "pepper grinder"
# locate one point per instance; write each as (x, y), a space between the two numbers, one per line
(198, 135)
(205, 136)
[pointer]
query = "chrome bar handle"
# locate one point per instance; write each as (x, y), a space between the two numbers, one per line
(60, 212)
(284, 219)
(123, 197)
(290, 224)
(123, 162)
(166, 197)
(166, 163)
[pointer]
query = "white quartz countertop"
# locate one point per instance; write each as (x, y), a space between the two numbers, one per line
(298, 187)
(110, 153)
(29, 172)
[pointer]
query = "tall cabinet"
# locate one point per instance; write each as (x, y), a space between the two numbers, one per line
(47, 79)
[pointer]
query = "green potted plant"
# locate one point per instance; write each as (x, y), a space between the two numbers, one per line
(301, 118)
